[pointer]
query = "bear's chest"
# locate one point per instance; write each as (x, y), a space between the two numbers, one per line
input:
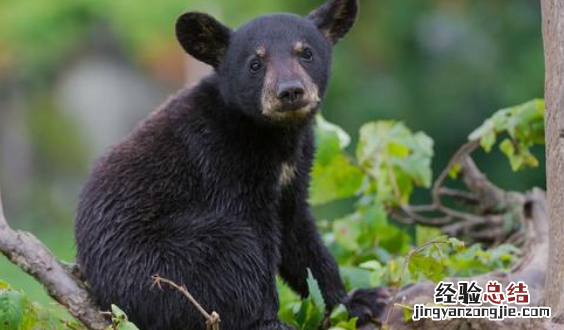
(245, 177)
(252, 191)
(255, 189)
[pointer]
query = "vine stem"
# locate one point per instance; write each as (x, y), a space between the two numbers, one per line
(413, 252)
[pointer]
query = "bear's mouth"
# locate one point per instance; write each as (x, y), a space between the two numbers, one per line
(296, 106)
(298, 111)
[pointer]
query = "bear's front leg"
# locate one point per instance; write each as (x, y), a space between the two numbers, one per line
(303, 248)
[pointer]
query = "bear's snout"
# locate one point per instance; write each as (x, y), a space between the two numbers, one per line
(288, 91)
(291, 94)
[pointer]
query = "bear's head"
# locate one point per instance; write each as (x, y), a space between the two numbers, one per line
(276, 67)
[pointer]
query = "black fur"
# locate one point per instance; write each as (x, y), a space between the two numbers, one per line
(195, 195)
(203, 36)
(335, 18)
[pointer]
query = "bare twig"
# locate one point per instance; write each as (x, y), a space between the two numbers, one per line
(459, 195)
(460, 154)
(212, 320)
(408, 214)
(405, 265)
(27, 252)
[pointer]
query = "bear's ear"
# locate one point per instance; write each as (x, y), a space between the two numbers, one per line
(203, 37)
(335, 18)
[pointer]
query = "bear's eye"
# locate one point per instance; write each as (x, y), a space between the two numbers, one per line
(307, 55)
(255, 66)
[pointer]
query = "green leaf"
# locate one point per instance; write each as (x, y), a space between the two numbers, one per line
(398, 150)
(19, 313)
(333, 176)
(505, 253)
(339, 314)
(314, 291)
(336, 179)
(307, 316)
(120, 320)
(309, 313)
(355, 277)
(509, 150)
(488, 140)
(301, 313)
(345, 325)
(428, 266)
(418, 167)
(11, 309)
(454, 171)
(395, 159)
(524, 126)
(326, 128)
(376, 272)
(327, 148)
(375, 218)
(457, 244)
(407, 313)
(394, 271)
(347, 232)
(395, 239)
(425, 234)
(126, 325)
(330, 140)
(372, 265)
(339, 319)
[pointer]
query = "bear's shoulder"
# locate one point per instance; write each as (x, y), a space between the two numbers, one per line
(157, 158)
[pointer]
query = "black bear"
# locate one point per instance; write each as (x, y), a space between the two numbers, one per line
(211, 190)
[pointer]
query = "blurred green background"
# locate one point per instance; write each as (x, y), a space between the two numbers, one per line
(77, 76)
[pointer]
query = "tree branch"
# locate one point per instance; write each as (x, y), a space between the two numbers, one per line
(530, 270)
(487, 223)
(27, 252)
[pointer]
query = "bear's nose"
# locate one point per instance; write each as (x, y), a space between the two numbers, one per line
(290, 92)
